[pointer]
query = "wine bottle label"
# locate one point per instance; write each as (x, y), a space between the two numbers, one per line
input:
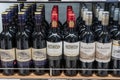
(54, 48)
(87, 52)
(39, 54)
(7, 54)
(116, 49)
(71, 49)
(23, 55)
(103, 52)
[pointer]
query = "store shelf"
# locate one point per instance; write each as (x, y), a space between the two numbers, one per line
(62, 76)
(56, 1)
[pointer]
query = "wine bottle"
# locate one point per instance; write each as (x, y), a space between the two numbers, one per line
(56, 8)
(79, 19)
(87, 47)
(39, 45)
(115, 50)
(44, 19)
(54, 46)
(21, 5)
(103, 47)
(95, 18)
(65, 26)
(82, 25)
(112, 8)
(23, 49)
(114, 27)
(7, 48)
(71, 47)
(98, 27)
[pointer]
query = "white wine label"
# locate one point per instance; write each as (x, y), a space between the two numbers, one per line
(71, 49)
(116, 49)
(87, 52)
(39, 54)
(23, 55)
(103, 52)
(54, 48)
(7, 55)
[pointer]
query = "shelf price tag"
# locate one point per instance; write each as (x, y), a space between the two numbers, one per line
(12, 0)
(9, 79)
(84, 0)
(112, 0)
(39, 0)
(21, 0)
(54, 0)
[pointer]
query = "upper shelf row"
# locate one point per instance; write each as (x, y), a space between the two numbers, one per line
(2, 1)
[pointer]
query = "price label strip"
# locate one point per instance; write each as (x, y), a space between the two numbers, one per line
(112, 0)
(84, 0)
(9, 79)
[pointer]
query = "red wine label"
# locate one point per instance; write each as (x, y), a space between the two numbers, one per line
(23, 55)
(71, 49)
(116, 49)
(7, 54)
(39, 54)
(54, 48)
(87, 52)
(103, 52)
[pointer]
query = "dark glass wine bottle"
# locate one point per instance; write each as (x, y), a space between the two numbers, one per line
(21, 5)
(98, 27)
(95, 17)
(65, 25)
(71, 47)
(115, 51)
(112, 8)
(114, 27)
(7, 48)
(23, 49)
(103, 47)
(54, 46)
(87, 48)
(82, 24)
(44, 19)
(80, 18)
(39, 45)
(115, 54)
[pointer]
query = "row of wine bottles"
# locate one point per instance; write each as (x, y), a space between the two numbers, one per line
(88, 42)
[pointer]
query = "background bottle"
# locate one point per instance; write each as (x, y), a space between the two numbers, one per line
(115, 51)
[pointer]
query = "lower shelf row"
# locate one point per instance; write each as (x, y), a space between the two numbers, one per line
(62, 76)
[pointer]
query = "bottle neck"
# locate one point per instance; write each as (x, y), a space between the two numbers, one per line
(21, 26)
(54, 26)
(5, 26)
(71, 26)
(105, 28)
(115, 22)
(38, 27)
(88, 28)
